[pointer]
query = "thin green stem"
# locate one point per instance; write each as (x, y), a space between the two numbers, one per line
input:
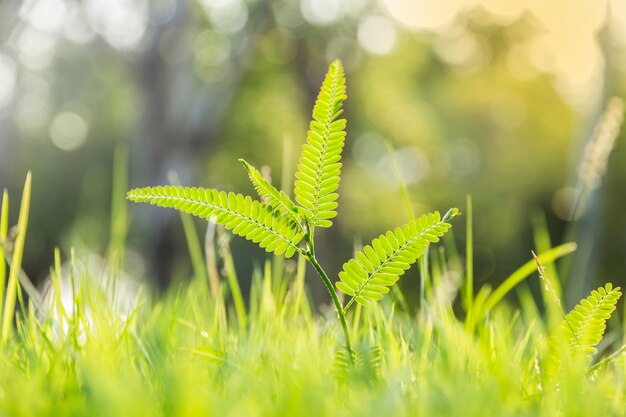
(333, 295)
(469, 258)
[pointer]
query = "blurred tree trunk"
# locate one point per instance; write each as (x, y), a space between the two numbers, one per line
(174, 139)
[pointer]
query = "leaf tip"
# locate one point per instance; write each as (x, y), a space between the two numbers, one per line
(132, 194)
(451, 214)
(245, 164)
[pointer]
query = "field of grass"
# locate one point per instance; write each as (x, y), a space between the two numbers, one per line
(93, 342)
(91, 348)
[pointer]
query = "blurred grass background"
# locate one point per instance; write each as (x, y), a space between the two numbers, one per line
(483, 97)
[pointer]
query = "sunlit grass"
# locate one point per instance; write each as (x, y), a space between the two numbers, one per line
(190, 352)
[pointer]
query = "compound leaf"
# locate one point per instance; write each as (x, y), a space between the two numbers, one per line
(245, 217)
(368, 276)
(274, 198)
(319, 167)
(584, 326)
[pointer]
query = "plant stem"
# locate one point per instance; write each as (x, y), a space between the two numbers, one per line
(333, 295)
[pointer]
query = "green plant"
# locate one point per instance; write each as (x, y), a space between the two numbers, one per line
(585, 324)
(13, 287)
(285, 227)
(582, 329)
(182, 355)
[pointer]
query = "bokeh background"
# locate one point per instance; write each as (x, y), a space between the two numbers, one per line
(493, 98)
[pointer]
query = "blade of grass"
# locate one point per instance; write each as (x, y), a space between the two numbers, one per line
(16, 261)
(278, 271)
(399, 298)
(268, 302)
(193, 241)
(20, 302)
(4, 228)
(410, 215)
(523, 272)
(468, 293)
(406, 198)
(478, 311)
(76, 302)
(436, 271)
(210, 254)
(26, 284)
(424, 277)
(56, 282)
(356, 320)
(231, 276)
(119, 209)
(299, 284)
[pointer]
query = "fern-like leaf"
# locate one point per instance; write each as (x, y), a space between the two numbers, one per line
(584, 326)
(246, 217)
(274, 198)
(368, 276)
(319, 167)
(581, 331)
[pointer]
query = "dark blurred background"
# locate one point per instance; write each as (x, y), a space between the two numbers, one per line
(484, 97)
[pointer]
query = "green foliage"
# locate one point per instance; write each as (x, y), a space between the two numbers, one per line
(245, 217)
(185, 354)
(486, 300)
(188, 355)
(371, 272)
(320, 166)
(278, 224)
(580, 332)
(273, 197)
(13, 286)
(584, 326)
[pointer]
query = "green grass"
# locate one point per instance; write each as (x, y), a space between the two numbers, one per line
(97, 344)
(193, 351)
